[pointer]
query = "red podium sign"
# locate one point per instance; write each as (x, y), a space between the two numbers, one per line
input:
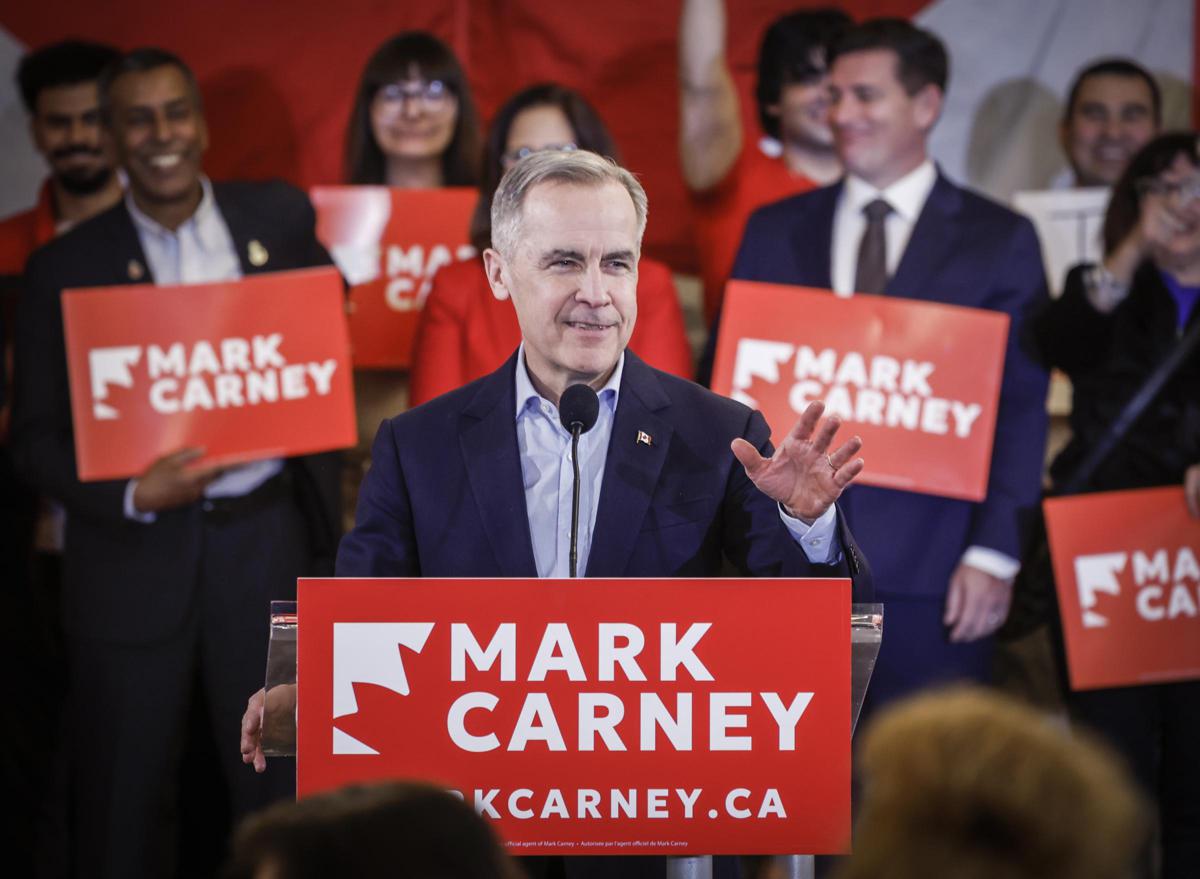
(918, 381)
(256, 368)
(591, 716)
(1125, 565)
(389, 243)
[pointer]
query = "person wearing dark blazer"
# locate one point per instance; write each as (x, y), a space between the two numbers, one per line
(942, 567)
(168, 577)
(674, 480)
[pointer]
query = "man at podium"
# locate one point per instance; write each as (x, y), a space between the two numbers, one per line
(673, 480)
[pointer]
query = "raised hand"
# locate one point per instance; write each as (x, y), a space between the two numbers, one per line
(802, 475)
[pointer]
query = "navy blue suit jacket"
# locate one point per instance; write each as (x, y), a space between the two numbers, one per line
(964, 250)
(444, 496)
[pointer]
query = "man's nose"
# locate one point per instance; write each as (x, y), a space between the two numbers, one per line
(162, 127)
(841, 111)
(81, 132)
(593, 287)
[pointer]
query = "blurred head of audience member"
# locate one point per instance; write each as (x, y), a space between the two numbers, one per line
(370, 832)
(542, 117)
(887, 79)
(414, 124)
(1156, 205)
(970, 784)
(58, 87)
(150, 104)
(1113, 108)
(792, 94)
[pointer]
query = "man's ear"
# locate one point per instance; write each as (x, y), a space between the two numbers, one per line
(493, 267)
(928, 101)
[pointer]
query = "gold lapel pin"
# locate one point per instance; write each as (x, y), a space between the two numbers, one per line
(644, 439)
(135, 270)
(257, 253)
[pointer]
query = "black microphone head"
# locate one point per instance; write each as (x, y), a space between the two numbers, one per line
(579, 405)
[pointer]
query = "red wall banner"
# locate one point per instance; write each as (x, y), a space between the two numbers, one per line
(918, 381)
(590, 716)
(256, 368)
(389, 243)
(1125, 565)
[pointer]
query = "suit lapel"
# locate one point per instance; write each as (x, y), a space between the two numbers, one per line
(125, 248)
(933, 239)
(488, 442)
(631, 470)
(813, 239)
(253, 257)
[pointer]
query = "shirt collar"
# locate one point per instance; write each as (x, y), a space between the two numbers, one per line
(206, 211)
(907, 195)
(527, 392)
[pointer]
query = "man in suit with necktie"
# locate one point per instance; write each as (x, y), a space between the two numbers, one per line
(167, 577)
(895, 225)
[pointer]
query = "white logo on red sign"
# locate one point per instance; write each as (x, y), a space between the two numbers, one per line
(1167, 583)
(229, 373)
(366, 653)
(868, 389)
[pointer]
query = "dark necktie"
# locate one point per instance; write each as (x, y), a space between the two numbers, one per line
(871, 274)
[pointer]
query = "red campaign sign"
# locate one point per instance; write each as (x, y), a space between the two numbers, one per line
(249, 369)
(918, 381)
(389, 243)
(590, 716)
(1125, 565)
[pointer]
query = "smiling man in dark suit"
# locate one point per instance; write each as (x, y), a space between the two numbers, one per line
(674, 479)
(168, 577)
(895, 225)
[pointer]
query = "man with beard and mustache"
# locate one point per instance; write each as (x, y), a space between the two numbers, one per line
(58, 87)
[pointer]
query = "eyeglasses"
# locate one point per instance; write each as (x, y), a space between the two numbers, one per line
(1185, 190)
(432, 96)
(514, 156)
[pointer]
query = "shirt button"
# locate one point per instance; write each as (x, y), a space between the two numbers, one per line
(816, 541)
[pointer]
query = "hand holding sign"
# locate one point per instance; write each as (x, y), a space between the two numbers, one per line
(170, 482)
(801, 474)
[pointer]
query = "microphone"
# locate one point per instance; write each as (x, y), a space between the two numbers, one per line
(578, 409)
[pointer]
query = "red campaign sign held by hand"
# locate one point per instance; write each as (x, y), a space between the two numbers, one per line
(249, 369)
(918, 381)
(389, 243)
(590, 716)
(1128, 580)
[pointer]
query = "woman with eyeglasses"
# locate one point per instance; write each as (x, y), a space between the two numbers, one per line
(464, 331)
(1112, 326)
(414, 124)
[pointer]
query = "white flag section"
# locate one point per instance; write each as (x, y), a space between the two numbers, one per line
(1069, 224)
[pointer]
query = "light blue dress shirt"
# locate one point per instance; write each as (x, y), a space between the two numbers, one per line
(200, 251)
(548, 476)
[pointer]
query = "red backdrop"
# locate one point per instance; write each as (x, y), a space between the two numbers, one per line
(278, 78)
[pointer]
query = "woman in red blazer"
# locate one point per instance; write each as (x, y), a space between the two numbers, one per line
(464, 331)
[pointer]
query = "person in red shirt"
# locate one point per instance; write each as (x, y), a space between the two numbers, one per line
(58, 88)
(727, 176)
(464, 332)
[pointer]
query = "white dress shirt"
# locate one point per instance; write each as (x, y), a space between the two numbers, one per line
(200, 251)
(548, 476)
(907, 196)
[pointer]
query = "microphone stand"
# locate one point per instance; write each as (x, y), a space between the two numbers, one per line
(576, 430)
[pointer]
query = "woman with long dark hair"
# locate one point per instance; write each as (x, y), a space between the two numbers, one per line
(1109, 331)
(414, 123)
(464, 331)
